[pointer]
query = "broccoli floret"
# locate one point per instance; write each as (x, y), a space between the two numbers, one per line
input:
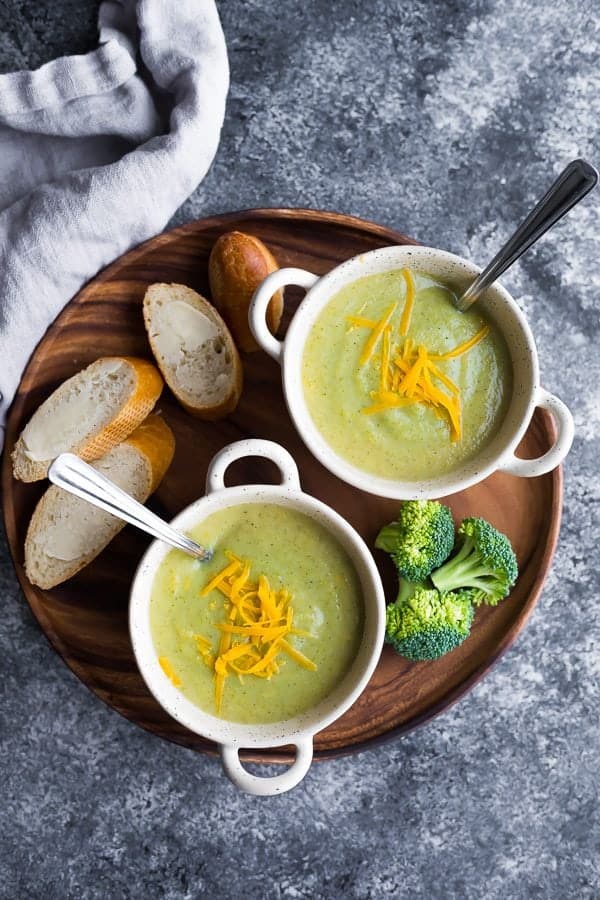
(425, 624)
(485, 564)
(420, 539)
(406, 589)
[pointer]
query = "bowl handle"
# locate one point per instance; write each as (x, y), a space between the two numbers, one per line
(529, 468)
(215, 477)
(277, 784)
(257, 314)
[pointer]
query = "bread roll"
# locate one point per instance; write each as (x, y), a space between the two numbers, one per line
(237, 265)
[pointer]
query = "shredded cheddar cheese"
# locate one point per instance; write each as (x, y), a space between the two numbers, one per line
(169, 670)
(361, 322)
(384, 379)
(409, 301)
(468, 345)
(204, 648)
(254, 635)
(412, 383)
(409, 374)
(376, 333)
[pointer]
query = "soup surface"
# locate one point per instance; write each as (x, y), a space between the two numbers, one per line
(412, 440)
(297, 555)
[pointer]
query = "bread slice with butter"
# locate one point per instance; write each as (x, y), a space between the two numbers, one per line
(194, 350)
(88, 414)
(66, 533)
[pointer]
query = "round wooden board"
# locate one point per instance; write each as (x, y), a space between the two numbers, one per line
(85, 619)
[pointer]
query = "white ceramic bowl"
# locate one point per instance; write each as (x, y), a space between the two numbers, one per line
(501, 309)
(300, 730)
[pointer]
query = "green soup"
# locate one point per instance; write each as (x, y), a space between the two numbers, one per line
(409, 443)
(294, 552)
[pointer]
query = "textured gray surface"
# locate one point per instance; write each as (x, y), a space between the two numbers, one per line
(444, 120)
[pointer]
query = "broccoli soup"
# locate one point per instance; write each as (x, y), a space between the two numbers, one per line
(401, 384)
(267, 628)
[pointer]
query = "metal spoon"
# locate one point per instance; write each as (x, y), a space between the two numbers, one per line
(570, 187)
(76, 476)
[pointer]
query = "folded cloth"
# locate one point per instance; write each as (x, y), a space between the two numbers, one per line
(96, 153)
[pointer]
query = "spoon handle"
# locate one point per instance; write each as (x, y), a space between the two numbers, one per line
(573, 183)
(77, 477)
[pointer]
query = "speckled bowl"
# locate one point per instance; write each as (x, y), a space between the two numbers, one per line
(300, 730)
(501, 309)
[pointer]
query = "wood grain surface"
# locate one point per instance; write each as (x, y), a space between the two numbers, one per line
(85, 619)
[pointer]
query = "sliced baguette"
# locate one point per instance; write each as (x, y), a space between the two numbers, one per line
(194, 350)
(238, 263)
(88, 414)
(66, 533)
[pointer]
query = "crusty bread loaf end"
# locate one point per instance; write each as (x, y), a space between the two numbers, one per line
(238, 263)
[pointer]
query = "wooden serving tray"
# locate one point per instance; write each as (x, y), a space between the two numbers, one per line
(85, 619)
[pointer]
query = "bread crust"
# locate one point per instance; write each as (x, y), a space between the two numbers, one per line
(155, 442)
(148, 388)
(207, 412)
(238, 263)
(148, 385)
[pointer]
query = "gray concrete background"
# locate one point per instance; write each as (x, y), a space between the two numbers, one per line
(446, 120)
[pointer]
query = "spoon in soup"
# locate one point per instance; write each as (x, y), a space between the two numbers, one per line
(571, 186)
(77, 477)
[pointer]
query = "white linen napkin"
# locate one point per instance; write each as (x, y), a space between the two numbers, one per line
(96, 153)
